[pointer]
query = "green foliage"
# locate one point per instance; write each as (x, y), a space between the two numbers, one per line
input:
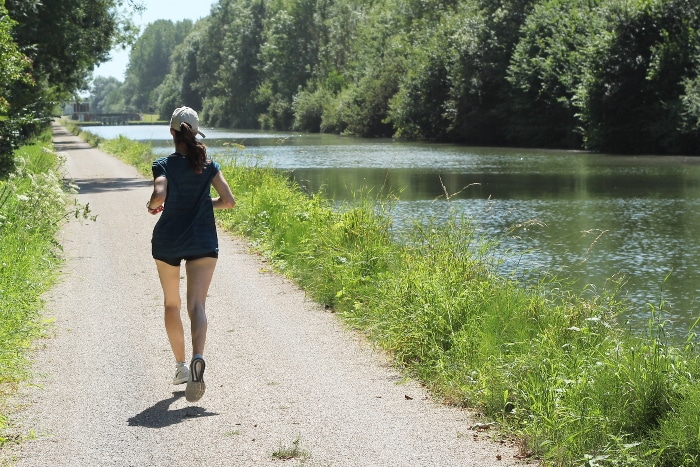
(107, 95)
(15, 131)
(45, 31)
(373, 76)
(362, 109)
(15, 65)
(140, 155)
(47, 50)
(632, 99)
(229, 86)
(288, 54)
(420, 108)
(308, 110)
(32, 209)
(149, 61)
(677, 439)
(180, 85)
(483, 43)
(690, 114)
(14, 71)
(547, 69)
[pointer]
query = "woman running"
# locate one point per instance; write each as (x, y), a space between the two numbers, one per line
(186, 231)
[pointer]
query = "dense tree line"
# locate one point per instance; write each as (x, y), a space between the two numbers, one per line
(48, 51)
(149, 63)
(609, 75)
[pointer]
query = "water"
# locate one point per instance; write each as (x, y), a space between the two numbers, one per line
(594, 219)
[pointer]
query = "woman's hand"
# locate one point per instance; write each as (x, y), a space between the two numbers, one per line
(153, 211)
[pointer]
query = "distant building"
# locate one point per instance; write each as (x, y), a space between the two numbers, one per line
(81, 110)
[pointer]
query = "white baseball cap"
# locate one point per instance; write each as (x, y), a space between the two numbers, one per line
(186, 115)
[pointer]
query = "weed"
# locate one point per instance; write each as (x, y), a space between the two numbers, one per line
(295, 451)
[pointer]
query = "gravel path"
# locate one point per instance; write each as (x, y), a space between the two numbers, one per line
(281, 371)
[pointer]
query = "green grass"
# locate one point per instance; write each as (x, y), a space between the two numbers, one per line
(293, 451)
(33, 206)
(550, 366)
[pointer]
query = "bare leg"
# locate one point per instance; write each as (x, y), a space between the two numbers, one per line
(199, 274)
(170, 281)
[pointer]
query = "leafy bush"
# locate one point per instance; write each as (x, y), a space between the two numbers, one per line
(308, 110)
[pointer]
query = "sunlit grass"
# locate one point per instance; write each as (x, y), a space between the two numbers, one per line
(32, 209)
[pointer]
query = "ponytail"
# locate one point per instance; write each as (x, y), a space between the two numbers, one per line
(196, 150)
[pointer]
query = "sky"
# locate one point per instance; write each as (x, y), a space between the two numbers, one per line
(174, 10)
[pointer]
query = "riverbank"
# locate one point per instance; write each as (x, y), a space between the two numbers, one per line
(549, 365)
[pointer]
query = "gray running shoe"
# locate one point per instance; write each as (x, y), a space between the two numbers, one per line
(182, 374)
(195, 385)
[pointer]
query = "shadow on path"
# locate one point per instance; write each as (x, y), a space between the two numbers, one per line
(101, 185)
(160, 415)
(70, 145)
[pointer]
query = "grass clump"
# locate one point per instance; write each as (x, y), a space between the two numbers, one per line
(550, 366)
(140, 155)
(293, 451)
(33, 206)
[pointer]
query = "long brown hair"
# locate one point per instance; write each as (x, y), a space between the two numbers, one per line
(196, 150)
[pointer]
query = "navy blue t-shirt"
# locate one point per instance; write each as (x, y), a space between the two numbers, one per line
(186, 226)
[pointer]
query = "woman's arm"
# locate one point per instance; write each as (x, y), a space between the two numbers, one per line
(160, 191)
(225, 199)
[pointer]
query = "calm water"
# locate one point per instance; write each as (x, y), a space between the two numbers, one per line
(581, 216)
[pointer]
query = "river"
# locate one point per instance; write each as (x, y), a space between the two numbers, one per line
(590, 218)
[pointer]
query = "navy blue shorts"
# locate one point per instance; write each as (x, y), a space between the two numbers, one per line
(177, 261)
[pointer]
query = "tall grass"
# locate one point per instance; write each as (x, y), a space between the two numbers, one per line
(550, 366)
(32, 208)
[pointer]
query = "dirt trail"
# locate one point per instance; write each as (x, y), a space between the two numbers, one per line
(279, 368)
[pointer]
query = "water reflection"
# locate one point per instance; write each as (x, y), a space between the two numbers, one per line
(582, 216)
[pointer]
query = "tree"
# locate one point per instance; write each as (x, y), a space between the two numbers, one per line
(14, 70)
(288, 55)
(64, 41)
(105, 93)
(374, 69)
(420, 108)
(632, 97)
(180, 86)
(482, 43)
(15, 67)
(149, 61)
(547, 69)
(47, 51)
(230, 75)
